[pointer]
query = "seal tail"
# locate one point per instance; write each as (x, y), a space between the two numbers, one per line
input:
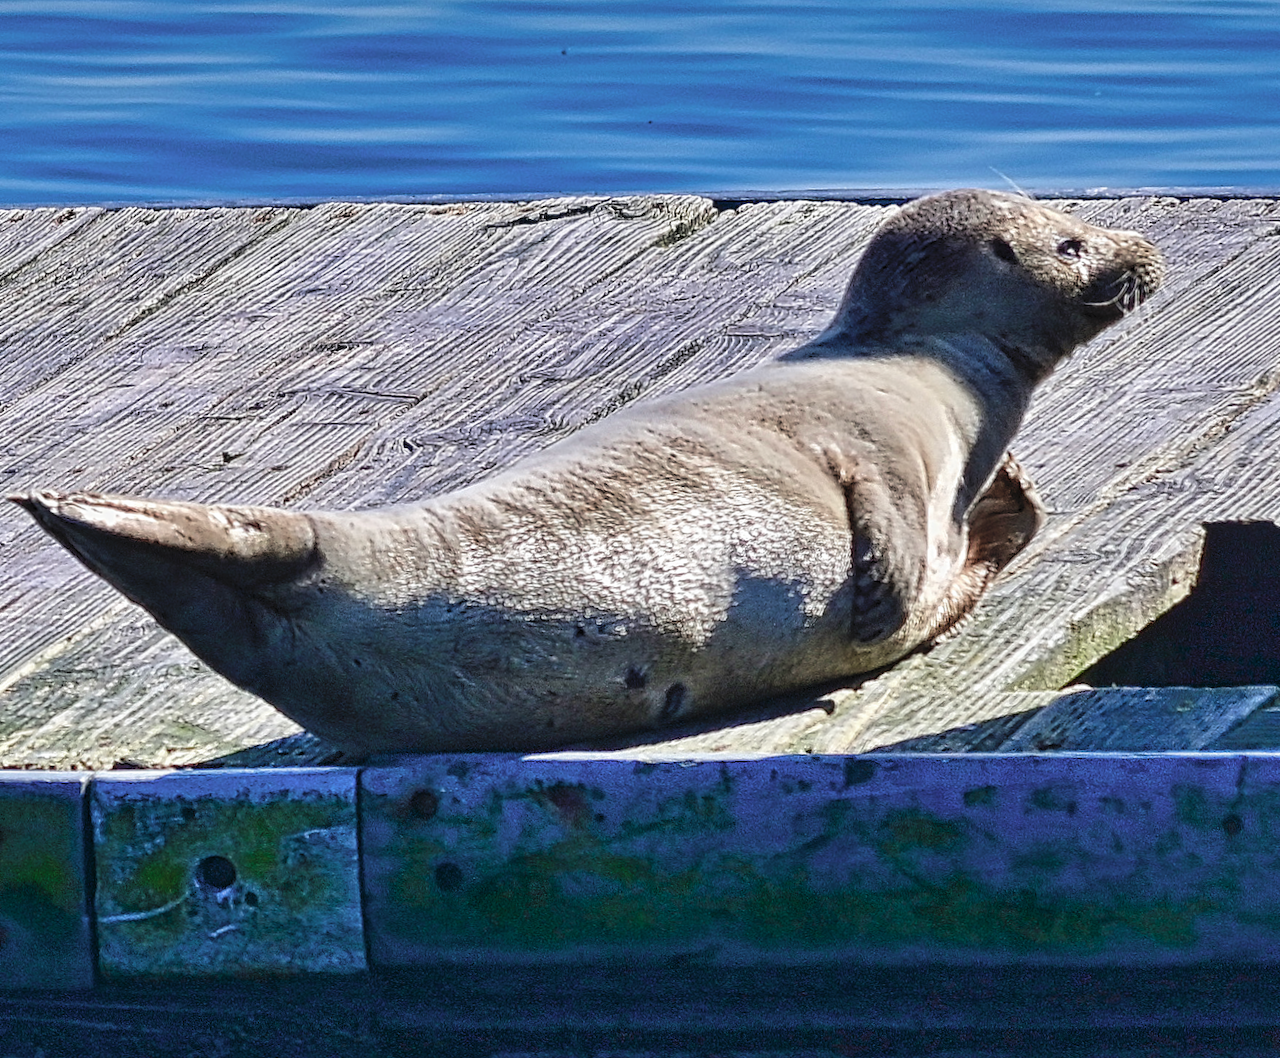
(217, 577)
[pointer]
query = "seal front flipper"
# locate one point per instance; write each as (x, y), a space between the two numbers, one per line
(217, 577)
(887, 560)
(1001, 523)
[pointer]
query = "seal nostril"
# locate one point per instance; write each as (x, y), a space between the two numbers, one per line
(216, 872)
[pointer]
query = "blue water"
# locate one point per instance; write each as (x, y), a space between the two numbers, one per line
(194, 101)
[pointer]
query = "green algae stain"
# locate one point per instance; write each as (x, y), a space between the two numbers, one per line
(546, 904)
(621, 898)
(1169, 925)
(39, 848)
(287, 900)
(159, 878)
(1052, 799)
(566, 887)
(1191, 806)
(1043, 859)
(1112, 805)
(41, 865)
(910, 829)
(685, 814)
(148, 851)
(980, 797)
(416, 859)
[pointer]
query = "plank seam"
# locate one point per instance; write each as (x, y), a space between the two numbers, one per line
(151, 307)
(1163, 460)
(38, 252)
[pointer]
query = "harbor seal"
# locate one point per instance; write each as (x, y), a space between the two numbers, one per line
(814, 518)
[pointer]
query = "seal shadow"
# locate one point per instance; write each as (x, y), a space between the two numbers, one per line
(303, 750)
(725, 724)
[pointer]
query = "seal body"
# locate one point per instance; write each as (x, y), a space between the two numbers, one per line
(815, 518)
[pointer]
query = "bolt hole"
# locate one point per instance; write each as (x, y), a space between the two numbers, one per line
(424, 804)
(216, 872)
(449, 877)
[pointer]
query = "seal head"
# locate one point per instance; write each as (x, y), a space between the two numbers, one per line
(1037, 282)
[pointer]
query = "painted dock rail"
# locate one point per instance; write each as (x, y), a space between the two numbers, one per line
(482, 860)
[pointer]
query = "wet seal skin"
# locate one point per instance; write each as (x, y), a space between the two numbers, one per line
(811, 519)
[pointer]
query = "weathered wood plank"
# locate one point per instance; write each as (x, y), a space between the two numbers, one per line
(159, 707)
(44, 921)
(277, 346)
(28, 234)
(1138, 719)
(1068, 859)
(1168, 380)
(71, 307)
(227, 873)
(365, 354)
(680, 313)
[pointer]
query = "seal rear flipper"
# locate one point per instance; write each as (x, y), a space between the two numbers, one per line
(217, 577)
(1001, 523)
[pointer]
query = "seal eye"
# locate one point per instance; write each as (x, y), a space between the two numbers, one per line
(1072, 248)
(1003, 251)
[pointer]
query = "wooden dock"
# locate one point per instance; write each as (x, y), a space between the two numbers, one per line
(1035, 898)
(358, 355)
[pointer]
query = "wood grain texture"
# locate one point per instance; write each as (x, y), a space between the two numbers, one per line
(355, 355)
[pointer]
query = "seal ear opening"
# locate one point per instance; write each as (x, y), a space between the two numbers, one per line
(1003, 250)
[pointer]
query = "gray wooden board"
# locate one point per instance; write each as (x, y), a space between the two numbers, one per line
(353, 355)
(44, 915)
(227, 872)
(1072, 859)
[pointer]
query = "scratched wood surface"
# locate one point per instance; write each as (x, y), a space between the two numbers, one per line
(354, 355)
